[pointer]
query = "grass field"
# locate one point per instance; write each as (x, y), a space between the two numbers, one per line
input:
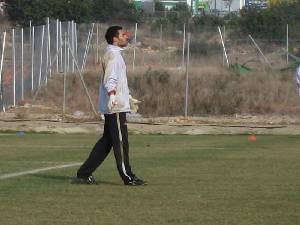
(197, 180)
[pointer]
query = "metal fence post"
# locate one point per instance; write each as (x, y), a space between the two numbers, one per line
(76, 44)
(187, 77)
(32, 60)
(87, 47)
(49, 47)
(42, 48)
(14, 65)
(65, 74)
(1, 68)
(22, 61)
(61, 53)
(287, 44)
(97, 44)
(183, 46)
(224, 49)
(57, 43)
(134, 48)
(73, 44)
(260, 51)
(30, 31)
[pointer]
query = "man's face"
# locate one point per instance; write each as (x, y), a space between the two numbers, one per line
(122, 39)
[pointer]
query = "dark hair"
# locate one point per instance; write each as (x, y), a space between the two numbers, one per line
(112, 32)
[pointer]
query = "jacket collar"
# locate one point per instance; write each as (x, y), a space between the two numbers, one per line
(114, 48)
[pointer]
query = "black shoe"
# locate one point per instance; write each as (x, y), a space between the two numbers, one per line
(84, 180)
(135, 181)
(138, 180)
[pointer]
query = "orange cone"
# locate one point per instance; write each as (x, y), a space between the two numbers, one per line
(252, 138)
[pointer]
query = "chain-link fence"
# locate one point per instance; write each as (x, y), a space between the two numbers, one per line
(174, 72)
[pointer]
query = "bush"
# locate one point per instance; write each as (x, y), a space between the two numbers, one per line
(200, 22)
(270, 22)
(81, 11)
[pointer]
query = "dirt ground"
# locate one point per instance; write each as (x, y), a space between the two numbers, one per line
(19, 119)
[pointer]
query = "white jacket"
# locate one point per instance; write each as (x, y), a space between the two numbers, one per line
(114, 70)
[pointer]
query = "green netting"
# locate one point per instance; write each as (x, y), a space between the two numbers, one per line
(291, 66)
(241, 69)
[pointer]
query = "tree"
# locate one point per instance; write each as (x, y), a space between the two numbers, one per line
(158, 6)
(21, 11)
(270, 22)
(104, 10)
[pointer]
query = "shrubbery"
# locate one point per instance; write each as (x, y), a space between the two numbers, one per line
(21, 12)
(270, 22)
(260, 23)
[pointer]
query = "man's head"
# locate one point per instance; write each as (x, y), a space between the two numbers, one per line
(115, 35)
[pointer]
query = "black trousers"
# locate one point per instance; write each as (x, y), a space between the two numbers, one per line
(115, 136)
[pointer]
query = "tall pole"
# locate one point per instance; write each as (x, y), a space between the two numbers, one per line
(73, 45)
(2, 58)
(260, 51)
(30, 31)
(22, 61)
(134, 48)
(183, 46)
(32, 59)
(65, 75)
(47, 50)
(49, 47)
(57, 42)
(187, 76)
(87, 47)
(14, 64)
(287, 44)
(61, 53)
(70, 41)
(76, 44)
(1, 68)
(225, 42)
(160, 38)
(82, 81)
(224, 49)
(97, 44)
(42, 48)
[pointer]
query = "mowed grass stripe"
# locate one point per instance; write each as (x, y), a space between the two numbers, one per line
(45, 146)
(12, 175)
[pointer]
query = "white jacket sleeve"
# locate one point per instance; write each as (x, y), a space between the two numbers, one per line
(111, 74)
(298, 75)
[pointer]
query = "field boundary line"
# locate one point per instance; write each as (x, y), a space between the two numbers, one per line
(44, 146)
(12, 175)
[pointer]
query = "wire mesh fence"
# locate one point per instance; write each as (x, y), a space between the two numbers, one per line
(156, 60)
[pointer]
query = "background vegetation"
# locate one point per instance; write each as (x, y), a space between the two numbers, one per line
(264, 23)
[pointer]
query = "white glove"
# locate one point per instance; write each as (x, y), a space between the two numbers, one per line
(133, 100)
(111, 102)
(133, 104)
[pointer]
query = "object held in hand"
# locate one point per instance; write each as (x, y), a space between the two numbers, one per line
(134, 104)
(111, 102)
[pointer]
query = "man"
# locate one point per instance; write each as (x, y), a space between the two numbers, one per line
(114, 103)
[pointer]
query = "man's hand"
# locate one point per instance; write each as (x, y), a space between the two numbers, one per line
(111, 102)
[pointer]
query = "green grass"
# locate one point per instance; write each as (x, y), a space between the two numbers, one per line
(193, 180)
